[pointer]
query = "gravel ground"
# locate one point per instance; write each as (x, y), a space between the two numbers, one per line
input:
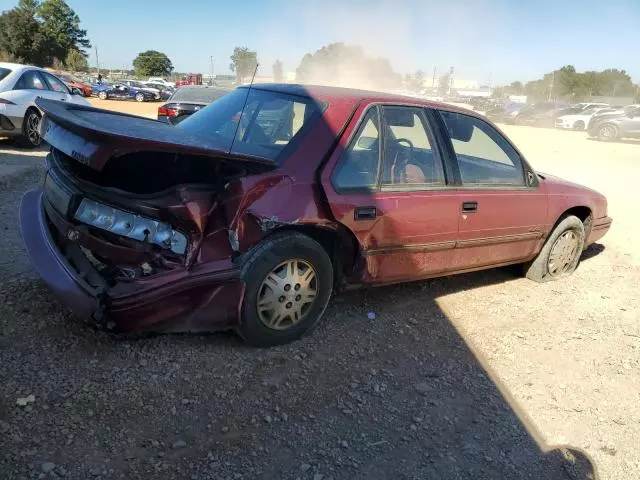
(485, 375)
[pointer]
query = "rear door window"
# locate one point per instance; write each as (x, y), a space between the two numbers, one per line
(4, 72)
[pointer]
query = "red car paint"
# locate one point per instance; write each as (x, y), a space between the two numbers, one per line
(414, 235)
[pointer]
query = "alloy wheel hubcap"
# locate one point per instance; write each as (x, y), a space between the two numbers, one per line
(33, 122)
(563, 253)
(287, 294)
(606, 132)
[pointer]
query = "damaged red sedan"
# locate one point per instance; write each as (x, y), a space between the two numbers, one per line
(248, 214)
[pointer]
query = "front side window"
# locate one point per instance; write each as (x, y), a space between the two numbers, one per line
(254, 122)
(358, 166)
(31, 80)
(55, 84)
(484, 155)
(409, 159)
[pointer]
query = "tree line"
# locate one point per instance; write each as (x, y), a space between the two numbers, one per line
(43, 33)
(568, 84)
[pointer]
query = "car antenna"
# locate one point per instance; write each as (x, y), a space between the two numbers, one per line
(246, 99)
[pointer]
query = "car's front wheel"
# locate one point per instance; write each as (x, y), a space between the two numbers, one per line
(139, 97)
(31, 129)
(561, 252)
(103, 95)
(579, 125)
(289, 279)
(607, 133)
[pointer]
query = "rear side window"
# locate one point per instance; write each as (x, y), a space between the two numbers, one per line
(31, 80)
(358, 166)
(484, 155)
(4, 72)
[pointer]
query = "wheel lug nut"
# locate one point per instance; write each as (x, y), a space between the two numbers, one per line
(287, 287)
(288, 305)
(298, 297)
(281, 299)
(297, 287)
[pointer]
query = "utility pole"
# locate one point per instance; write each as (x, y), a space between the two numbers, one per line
(433, 82)
(450, 80)
(97, 61)
(211, 59)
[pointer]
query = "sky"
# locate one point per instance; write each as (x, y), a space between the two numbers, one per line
(490, 41)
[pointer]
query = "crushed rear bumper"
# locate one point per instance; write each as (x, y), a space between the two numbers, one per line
(205, 298)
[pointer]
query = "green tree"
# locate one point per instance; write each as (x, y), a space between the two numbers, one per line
(20, 34)
(278, 71)
(36, 33)
(61, 29)
(76, 61)
(152, 63)
(243, 63)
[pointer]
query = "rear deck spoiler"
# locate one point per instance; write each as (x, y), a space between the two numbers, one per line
(92, 136)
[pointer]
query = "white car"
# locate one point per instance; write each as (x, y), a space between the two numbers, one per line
(578, 121)
(161, 80)
(20, 86)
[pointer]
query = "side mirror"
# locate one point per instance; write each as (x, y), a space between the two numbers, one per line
(76, 91)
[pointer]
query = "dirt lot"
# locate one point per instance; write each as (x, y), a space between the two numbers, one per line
(476, 376)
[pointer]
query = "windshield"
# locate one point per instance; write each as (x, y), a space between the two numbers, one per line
(199, 94)
(269, 123)
(4, 72)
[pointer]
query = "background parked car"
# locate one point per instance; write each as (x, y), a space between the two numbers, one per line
(578, 120)
(622, 125)
(188, 100)
(140, 86)
(74, 82)
(120, 91)
(610, 113)
(165, 91)
(162, 81)
(20, 86)
(504, 113)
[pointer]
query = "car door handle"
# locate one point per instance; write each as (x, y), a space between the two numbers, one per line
(469, 206)
(365, 213)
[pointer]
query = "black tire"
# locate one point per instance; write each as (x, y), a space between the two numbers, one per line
(538, 269)
(579, 125)
(29, 138)
(103, 95)
(263, 260)
(607, 132)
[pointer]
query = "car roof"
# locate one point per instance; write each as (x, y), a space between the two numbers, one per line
(352, 95)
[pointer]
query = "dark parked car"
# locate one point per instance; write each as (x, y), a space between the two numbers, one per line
(504, 113)
(614, 125)
(187, 100)
(120, 91)
(249, 213)
(545, 117)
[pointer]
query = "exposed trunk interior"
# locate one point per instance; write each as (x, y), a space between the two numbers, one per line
(153, 172)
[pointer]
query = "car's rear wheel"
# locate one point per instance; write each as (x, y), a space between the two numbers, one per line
(579, 125)
(31, 129)
(103, 95)
(561, 252)
(289, 278)
(607, 132)
(139, 97)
